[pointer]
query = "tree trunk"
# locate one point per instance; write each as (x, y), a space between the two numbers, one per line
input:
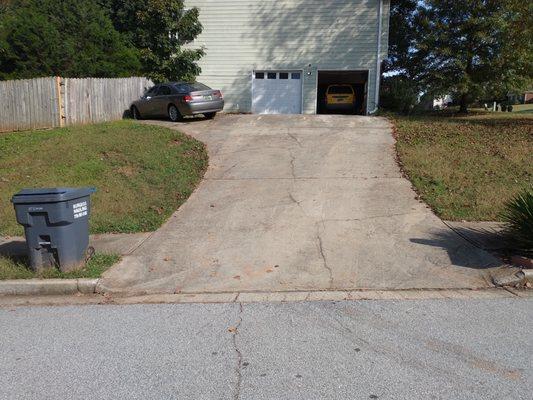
(463, 104)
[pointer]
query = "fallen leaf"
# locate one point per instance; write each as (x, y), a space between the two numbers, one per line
(238, 277)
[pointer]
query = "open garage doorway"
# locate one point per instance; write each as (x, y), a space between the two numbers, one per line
(358, 80)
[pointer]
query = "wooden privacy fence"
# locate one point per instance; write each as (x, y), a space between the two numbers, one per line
(54, 101)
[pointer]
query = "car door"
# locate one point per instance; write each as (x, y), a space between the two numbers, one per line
(161, 101)
(145, 106)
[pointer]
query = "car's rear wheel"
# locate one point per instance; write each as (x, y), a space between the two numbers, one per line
(135, 114)
(210, 115)
(173, 113)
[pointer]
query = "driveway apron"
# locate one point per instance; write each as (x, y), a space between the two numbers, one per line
(294, 203)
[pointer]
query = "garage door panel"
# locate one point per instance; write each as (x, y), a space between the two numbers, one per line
(277, 92)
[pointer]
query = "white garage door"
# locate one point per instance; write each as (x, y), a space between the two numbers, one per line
(277, 92)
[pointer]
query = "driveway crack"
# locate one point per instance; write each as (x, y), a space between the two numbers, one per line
(293, 171)
(297, 202)
(238, 367)
(323, 254)
(228, 169)
(294, 138)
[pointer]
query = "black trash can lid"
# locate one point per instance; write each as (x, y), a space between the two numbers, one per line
(51, 195)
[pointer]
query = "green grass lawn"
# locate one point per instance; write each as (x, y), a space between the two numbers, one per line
(15, 268)
(142, 173)
(467, 167)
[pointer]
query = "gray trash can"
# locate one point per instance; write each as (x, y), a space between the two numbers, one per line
(56, 225)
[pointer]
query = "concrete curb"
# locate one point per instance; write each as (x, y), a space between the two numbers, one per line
(275, 297)
(523, 277)
(528, 275)
(47, 287)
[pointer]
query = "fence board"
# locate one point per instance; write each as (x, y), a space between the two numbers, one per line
(94, 100)
(27, 104)
(36, 103)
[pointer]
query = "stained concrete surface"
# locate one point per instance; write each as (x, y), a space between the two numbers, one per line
(299, 203)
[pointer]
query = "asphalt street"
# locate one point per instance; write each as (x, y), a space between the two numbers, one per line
(428, 349)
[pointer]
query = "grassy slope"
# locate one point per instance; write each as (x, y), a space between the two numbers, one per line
(142, 173)
(466, 168)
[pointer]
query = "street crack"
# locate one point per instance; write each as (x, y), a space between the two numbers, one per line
(238, 367)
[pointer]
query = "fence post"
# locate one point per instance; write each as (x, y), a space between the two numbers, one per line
(60, 102)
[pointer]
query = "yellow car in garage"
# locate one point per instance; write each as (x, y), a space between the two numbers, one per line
(340, 98)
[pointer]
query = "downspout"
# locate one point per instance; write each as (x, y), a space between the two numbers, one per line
(378, 57)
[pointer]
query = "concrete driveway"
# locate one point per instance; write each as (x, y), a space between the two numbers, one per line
(296, 203)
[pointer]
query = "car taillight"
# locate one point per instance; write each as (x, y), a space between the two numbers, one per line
(187, 98)
(218, 94)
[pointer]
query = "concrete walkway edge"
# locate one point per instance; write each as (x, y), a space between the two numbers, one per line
(47, 287)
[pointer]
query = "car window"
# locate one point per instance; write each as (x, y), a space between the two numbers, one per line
(151, 92)
(164, 91)
(340, 90)
(197, 86)
(182, 89)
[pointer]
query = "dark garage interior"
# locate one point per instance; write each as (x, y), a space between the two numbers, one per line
(357, 79)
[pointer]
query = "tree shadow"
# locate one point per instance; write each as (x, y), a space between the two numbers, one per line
(492, 240)
(464, 248)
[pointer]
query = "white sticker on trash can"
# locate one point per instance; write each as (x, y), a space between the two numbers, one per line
(80, 209)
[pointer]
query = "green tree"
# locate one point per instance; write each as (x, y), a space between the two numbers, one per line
(159, 30)
(472, 49)
(399, 91)
(71, 38)
(401, 35)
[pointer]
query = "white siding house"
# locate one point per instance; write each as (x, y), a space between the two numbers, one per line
(278, 56)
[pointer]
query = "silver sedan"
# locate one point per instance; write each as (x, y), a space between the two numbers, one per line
(176, 100)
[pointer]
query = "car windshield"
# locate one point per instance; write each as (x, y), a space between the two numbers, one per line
(340, 90)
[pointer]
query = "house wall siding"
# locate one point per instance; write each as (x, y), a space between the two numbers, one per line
(240, 36)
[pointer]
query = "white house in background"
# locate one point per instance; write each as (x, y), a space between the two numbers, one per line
(279, 56)
(442, 102)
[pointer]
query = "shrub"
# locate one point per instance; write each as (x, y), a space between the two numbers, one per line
(518, 218)
(398, 93)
